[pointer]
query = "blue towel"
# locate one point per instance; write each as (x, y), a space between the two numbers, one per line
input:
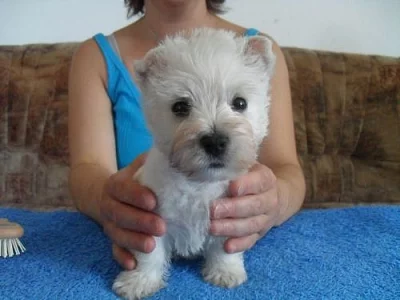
(351, 253)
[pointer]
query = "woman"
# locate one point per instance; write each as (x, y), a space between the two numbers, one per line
(108, 139)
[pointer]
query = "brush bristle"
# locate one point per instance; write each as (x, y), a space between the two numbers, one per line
(11, 247)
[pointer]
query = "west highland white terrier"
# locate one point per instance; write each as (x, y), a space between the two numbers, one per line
(206, 102)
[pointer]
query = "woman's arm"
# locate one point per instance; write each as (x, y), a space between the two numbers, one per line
(90, 127)
(279, 150)
(109, 196)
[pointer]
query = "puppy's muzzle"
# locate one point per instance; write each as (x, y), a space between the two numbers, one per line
(215, 144)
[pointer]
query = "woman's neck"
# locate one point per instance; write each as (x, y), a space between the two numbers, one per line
(163, 18)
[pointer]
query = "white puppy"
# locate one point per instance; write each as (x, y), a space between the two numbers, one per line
(205, 99)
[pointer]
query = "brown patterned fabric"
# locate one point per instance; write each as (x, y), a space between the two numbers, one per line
(346, 110)
(33, 125)
(347, 118)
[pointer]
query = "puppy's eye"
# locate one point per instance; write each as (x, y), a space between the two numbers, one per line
(239, 104)
(181, 108)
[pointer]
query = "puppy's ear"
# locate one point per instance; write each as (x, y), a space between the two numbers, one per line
(258, 49)
(149, 65)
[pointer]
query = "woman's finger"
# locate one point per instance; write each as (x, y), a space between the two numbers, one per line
(129, 217)
(130, 192)
(258, 180)
(123, 187)
(124, 258)
(130, 239)
(245, 206)
(240, 244)
(239, 227)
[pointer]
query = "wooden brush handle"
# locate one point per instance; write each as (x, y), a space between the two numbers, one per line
(9, 230)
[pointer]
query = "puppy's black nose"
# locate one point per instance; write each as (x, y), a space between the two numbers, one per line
(214, 144)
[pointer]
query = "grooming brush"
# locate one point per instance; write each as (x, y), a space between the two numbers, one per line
(10, 244)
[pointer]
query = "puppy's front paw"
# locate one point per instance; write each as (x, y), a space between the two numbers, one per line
(134, 285)
(224, 275)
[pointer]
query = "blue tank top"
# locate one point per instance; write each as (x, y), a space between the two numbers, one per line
(131, 133)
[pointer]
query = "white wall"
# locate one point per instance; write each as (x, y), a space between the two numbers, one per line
(363, 26)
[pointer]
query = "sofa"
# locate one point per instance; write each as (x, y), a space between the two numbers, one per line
(347, 121)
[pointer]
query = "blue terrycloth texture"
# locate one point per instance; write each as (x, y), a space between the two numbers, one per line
(349, 253)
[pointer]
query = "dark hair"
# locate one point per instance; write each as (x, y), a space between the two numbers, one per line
(136, 6)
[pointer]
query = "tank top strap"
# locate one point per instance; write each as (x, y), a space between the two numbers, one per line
(114, 65)
(251, 32)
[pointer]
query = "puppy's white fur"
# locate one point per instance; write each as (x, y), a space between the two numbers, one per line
(208, 68)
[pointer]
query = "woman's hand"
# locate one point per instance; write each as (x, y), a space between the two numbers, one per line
(251, 210)
(126, 210)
